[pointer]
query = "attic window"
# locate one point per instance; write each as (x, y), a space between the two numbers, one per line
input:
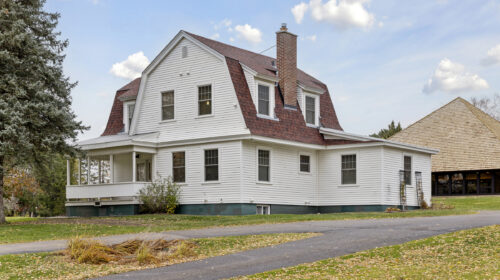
(184, 51)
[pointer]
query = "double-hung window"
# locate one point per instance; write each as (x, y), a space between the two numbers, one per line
(348, 169)
(310, 110)
(407, 169)
(264, 165)
(205, 100)
(167, 105)
(179, 167)
(305, 163)
(212, 165)
(130, 114)
(264, 101)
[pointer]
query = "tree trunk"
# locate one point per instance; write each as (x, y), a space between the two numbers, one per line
(2, 213)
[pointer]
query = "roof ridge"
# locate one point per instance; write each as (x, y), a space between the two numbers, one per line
(428, 115)
(232, 46)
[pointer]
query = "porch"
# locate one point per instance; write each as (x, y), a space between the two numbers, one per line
(112, 177)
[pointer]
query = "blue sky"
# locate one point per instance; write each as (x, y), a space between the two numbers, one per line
(382, 60)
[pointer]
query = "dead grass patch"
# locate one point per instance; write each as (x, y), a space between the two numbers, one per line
(90, 251)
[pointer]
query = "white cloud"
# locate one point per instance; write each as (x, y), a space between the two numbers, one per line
(453, 77)
(249, 33)
(132, 67)
(342, 13)
(215, 36)
(223, 23)
(231, 39)
(492, 57)
(312, 38)
(298, 12)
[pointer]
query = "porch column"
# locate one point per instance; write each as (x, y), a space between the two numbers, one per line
(153, 167)
(68, 173)
(111, 169)
(134, 171)
(88, 170)
(79, 171)
(99, 181)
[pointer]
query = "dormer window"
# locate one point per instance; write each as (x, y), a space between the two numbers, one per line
(128, 113)
(264, 103)
(310, 110)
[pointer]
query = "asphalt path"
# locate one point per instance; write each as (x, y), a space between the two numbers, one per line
(338, 238)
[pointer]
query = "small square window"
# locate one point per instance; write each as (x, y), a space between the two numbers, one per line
(305, 163)
(263, 210)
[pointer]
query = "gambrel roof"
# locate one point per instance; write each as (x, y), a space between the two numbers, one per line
(467, 138)
(291, 124)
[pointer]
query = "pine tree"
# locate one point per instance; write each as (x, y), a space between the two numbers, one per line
(391, 129)
(35, 101)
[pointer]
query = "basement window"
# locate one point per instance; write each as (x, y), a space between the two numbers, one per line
(263, 209)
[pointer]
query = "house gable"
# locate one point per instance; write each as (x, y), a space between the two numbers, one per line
(186, 66)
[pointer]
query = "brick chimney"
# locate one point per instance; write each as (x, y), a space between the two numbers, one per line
(286, 58)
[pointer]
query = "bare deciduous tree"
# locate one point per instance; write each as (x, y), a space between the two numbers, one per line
(490, 105)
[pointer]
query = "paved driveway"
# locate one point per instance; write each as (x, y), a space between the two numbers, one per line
(339, 238)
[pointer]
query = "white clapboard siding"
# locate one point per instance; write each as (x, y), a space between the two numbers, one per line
(366, 191)
(288, 186)
(195, 190)
(183, 76)
(393, 163)
(251, 84)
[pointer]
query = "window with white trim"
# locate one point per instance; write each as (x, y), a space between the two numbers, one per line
(212, 165)
(167, 105)
(130, 114)
(348, 169)
(179, 167)
(264, 166)
(305, 163)
(310, 110)
(264, 103)
(407, 169)
(205, 100)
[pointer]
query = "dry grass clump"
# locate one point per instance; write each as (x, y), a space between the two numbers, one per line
(90, 251)
(391, 210)
(441, 206)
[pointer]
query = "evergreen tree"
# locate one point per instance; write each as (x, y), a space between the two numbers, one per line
(35, 102)
(389, 131)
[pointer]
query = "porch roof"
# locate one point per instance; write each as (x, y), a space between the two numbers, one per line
(123, 139)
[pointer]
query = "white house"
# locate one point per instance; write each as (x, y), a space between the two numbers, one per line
(243, 133)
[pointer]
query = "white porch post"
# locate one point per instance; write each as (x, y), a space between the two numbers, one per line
(111, 169)
(153, 167)
(88, 170)
(68, 173)
(79, 171)
(99, 181)
(133, 168)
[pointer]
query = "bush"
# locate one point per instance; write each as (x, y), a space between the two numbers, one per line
(160, 196)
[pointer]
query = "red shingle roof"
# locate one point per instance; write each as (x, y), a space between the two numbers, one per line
(115, 120)
(291, 124)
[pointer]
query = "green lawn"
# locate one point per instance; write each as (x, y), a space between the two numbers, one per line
(29, 229)
(468, 254)
(484, 202)
(58, 266)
